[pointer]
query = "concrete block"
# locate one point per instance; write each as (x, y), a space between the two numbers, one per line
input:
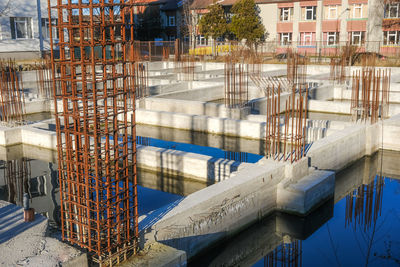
(191, 165)
(329, 106)
(297, 170)
(307, 193)
(10, 136)
(336, 151)
(391, 134)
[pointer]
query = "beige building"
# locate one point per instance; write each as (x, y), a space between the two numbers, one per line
(323, 26)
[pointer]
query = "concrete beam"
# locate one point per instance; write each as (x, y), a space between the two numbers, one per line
(305, 194)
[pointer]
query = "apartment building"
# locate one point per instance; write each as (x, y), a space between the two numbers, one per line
(24, 29)
(322, 26)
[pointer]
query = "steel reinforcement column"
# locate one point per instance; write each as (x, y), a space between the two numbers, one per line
(95, 121)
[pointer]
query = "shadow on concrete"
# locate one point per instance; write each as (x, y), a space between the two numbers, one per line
(259, 240)
(12, 222)
(156, 215)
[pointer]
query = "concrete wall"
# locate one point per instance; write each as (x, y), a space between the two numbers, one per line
(220, 210)
(190, 165)
(201, 123)
(228, 143)
(202, 94)
(390, 133)
(194, 107)
(269, 16)
(339, 150)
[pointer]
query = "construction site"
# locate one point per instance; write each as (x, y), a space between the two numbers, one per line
(116, 152)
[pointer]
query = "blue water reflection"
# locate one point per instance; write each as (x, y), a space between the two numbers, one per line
(364, 230)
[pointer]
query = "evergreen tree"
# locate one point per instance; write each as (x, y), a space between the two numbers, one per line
(246, 22)
(213, 24)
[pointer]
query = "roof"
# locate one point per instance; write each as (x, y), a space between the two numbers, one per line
(169, 5)
(203, 4)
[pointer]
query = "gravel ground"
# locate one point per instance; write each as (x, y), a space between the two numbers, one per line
(29, 244)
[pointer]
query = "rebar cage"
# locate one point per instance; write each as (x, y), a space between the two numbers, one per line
(96, 126)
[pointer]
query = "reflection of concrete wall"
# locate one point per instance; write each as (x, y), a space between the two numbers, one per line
(27, 151)
(388, 162)
(257, 241)
(361, 172)
(43, 187)
(167, 181)
(228, 143)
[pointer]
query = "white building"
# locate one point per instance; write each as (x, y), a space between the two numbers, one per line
(24, 28)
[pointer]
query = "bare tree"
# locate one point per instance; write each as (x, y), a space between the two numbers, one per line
(188, 20)
(5, 8)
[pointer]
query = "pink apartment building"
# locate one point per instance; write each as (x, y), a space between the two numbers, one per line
(323, 26)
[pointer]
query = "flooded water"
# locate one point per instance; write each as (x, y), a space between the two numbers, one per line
(328, 116)
(360, 226)
(226, 143)
(40, 179)
(38, 116)
(203, 150)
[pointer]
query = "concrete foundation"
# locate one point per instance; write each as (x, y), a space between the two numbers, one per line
(27, 243)
(211, 214)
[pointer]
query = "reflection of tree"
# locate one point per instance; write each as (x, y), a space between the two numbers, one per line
(17, 174)
(287, 254)
(5, 8)
(363, 208)
(364, 205)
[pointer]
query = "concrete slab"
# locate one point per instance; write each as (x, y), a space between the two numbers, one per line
(157, 254)
(23, 243)
(307, 193)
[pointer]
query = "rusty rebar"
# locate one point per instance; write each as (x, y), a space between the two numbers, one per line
(12, 97)
(370, 94)
(235, 85)
(96, 137)
(286, 129)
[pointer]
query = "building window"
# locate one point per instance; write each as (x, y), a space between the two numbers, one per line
(306, 38)
(357, 38)
(172, 37)
(332, 38)
(392, 11)
(286, 13)
(332, 12)
(171, 21)
(391, 37)
(358, 11)
(21, 27)
(46, 28)
(201, 40)
(286, 38)
(309, 13)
